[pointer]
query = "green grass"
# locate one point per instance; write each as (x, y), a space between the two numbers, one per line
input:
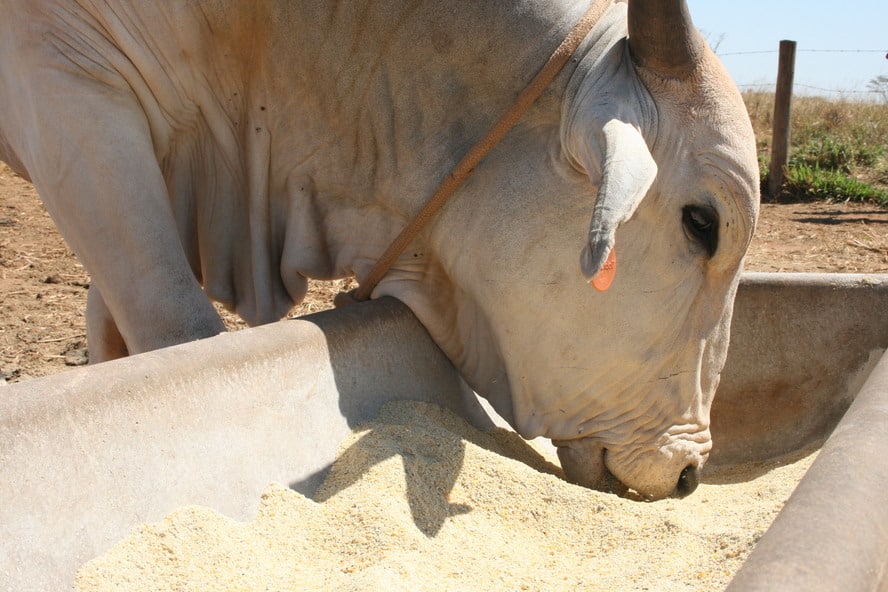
(838, 149)
(812, 183)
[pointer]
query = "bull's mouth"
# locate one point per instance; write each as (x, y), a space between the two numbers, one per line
(583, 462)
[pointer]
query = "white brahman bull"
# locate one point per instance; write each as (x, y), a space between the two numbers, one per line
(231, 149)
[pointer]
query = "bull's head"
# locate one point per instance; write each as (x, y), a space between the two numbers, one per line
(688, 181)
(651, 139)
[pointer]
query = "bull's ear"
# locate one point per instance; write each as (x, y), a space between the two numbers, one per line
(627, 172)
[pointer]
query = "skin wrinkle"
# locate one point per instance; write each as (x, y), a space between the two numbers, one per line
(628, 421)
(85, 43)
(629, 405)
(673, 375)
(61, 45)
(620, 413)
(137, 67)
(611, 430)
(714, 163)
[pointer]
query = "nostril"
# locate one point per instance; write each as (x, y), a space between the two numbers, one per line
(688, 481)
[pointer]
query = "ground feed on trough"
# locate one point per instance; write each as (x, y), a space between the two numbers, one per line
(419, 500)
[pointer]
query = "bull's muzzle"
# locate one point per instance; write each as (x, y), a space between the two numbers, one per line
(584, 462)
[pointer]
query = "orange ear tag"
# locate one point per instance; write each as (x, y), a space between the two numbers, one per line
(605, 276)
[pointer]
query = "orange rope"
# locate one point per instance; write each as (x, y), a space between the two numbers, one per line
(462, 170)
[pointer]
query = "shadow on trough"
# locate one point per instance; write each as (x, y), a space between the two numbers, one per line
(361, 396)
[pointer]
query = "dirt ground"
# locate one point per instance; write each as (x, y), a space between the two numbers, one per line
(43, 288)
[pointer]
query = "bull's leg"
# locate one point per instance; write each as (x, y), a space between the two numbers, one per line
(91, 156)
(105, 341)
(112, 208)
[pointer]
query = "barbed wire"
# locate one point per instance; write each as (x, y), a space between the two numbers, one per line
(842, 51)
(733, 53)
(832, 90)
(808, 86)
(763, 85)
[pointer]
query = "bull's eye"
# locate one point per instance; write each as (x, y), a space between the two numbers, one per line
(701, 225)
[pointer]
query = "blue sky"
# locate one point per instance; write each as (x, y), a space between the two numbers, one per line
(756, 25)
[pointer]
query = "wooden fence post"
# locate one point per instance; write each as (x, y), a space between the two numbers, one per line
(782, 110)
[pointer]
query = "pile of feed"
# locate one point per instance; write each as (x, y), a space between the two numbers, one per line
(419, 500)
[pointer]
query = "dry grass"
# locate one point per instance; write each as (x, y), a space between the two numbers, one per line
(320, 297)
(840, 145)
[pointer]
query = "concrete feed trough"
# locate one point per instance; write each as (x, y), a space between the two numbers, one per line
(86, 455)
